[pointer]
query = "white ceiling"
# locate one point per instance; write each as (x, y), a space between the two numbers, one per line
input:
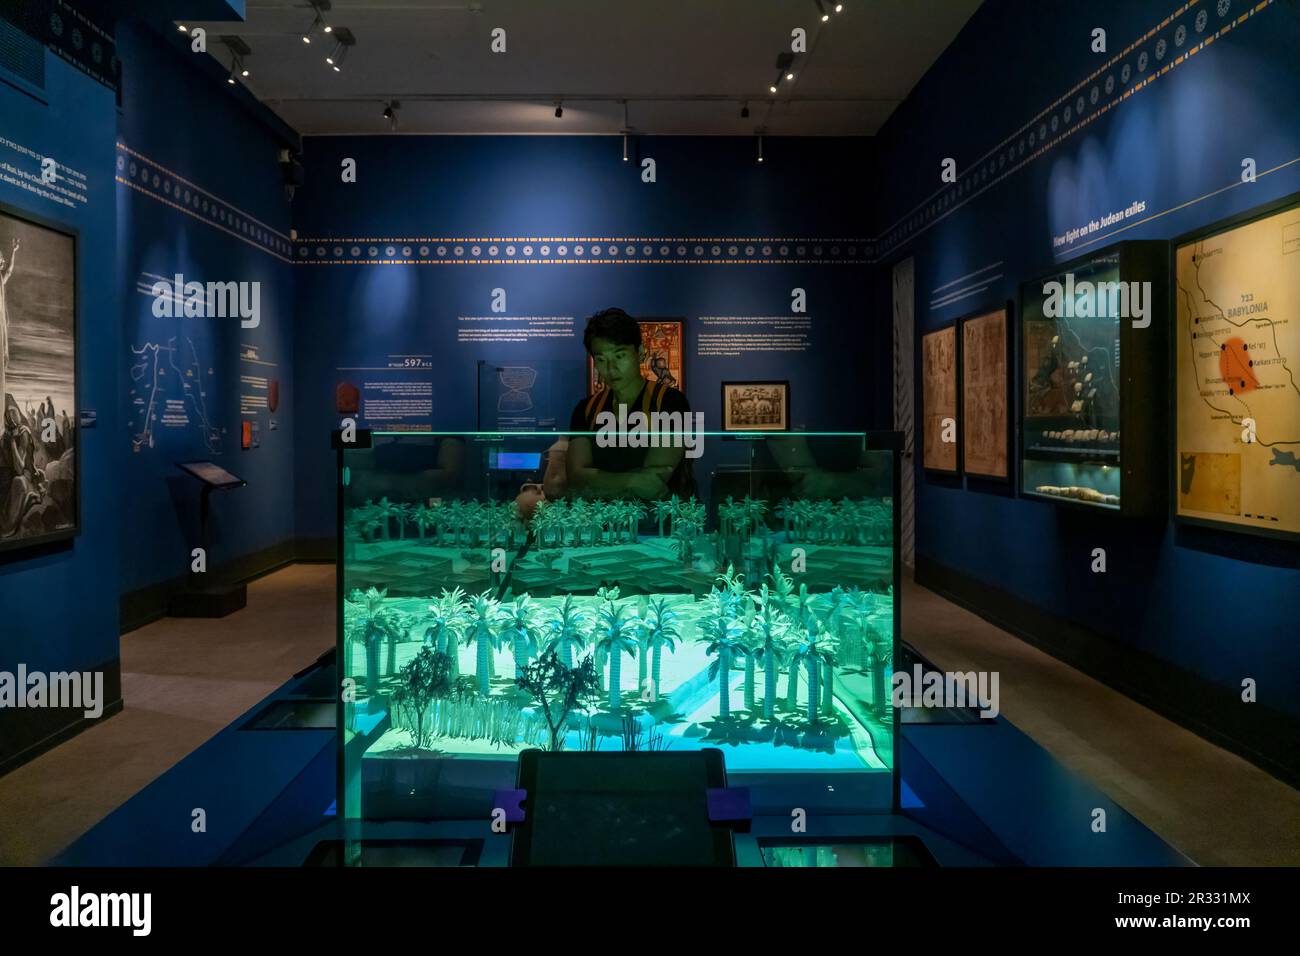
(684, 66)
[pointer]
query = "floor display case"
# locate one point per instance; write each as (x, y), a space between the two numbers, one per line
(759, 617)
(1093, 379)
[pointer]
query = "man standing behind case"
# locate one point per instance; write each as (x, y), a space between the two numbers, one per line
(613, 340)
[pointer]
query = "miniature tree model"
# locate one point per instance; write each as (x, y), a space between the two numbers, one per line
(544, 516)
(369, 605)
(616, 634)
(786, 514)
(484, 616)
(664, 509)
(425, 676)
(661, 630)
(811, 655)
(522, 624)
(423, 518)
(770, 627)
(750, 644)
(446, 618)
(558, 689)
(570, 630)
(687, 523)
(394, 625)
(722, 633)
(634, 512)
(403, 513)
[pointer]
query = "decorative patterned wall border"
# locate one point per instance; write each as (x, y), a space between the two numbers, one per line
(152, 179)
(1052, 126)
(582, 250)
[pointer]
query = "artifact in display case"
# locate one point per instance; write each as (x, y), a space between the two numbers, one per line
(1237, 448)
(473, 627)
(1092, 345)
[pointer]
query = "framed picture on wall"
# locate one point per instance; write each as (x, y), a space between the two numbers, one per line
(986, 394)
(1235, 355)
(755, 406)
(39, 468)
(940, 434)
(664, 354)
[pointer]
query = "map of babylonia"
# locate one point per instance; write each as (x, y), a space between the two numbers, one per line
(1238, 362)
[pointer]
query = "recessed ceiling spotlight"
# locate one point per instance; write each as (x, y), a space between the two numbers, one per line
(839, 8)
(772, 87)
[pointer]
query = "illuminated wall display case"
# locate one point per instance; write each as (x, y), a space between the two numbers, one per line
(1093, 381)
(1237, 397)
(467, 609)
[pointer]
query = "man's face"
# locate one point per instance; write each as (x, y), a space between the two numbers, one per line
(616, 364)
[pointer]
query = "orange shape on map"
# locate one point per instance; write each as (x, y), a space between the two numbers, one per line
(1234, 366)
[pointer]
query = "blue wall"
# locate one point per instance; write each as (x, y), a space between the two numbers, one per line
(1222, 605)
(58, 604)
(184, 140)
(532, 191)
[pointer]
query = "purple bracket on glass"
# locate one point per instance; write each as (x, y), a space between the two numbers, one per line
(729, 804)
(509, 801)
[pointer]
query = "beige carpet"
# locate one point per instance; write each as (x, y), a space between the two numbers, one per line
(182, 682)
(1211, 805)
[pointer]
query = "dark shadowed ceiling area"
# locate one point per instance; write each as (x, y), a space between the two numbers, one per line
(658, 66)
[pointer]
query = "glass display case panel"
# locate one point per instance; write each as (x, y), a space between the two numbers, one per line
(1070, 433)
(478, 620)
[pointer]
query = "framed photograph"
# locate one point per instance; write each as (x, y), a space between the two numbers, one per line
(986, 394)
(755, 406)
(1236, 414)
(940, 434)
(39, 469)
(664, 354)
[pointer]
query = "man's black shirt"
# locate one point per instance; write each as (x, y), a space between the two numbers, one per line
(620, 458)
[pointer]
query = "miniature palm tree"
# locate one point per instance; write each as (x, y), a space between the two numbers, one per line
(454, 515)
(663, 510)
(369, 604)
(484, 617)
(577, 520)
(634, 513)
(543, 521)
(384, 512)
(394, 625)
(687, 523)
(723, 635)
(558, 689)
(403, 513)
(615, 635)
(570, 629)
(786, 514)
(770, 629)
(811, 656)
(661, 630)
(521, 629)
(750, 644)
(423, 518)
(425, 676)
(730, 587)
(446, 618)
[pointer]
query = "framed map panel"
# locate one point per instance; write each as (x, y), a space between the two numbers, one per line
(986, 421)
(939, 400)
(1237, 373)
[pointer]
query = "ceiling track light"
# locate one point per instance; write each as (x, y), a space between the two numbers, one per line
(343, 41)
(183, 28)
(316, 24)
(744, 111)
(559, 110)
(821, 6)
(760, 147)
(390, 113)
(625, 147)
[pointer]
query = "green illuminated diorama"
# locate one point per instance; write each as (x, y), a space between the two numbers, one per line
(758, 616)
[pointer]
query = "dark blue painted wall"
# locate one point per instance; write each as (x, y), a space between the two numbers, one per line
(420, 191)
(1223, 605)
(58, 605)
(185, 141)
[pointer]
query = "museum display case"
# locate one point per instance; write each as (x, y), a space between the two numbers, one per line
(477, 620)
(1093, 380)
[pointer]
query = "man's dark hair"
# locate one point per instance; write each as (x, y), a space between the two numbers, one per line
(613, 325)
